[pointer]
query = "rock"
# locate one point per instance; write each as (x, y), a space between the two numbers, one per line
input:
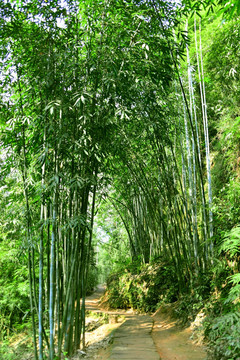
(81, 353)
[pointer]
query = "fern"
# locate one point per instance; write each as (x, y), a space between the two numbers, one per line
(224, 337)
(231, 242)
(234, 279)
(231, 246)
(234, 293)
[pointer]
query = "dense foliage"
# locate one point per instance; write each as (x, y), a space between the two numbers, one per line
(142, 287)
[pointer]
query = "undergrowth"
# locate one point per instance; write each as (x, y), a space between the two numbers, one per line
(18, 346)
(142, 288)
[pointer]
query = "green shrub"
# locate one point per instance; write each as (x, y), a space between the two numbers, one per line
(142, 288)
(14, 289)
(223, 335)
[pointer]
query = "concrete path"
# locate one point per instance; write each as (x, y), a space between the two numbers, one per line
(133, 341)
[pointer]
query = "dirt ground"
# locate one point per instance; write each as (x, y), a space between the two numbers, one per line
(174, 342)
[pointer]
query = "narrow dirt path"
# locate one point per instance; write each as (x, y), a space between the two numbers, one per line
(144, 337)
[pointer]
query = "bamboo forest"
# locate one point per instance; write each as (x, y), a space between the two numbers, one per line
(119, 170)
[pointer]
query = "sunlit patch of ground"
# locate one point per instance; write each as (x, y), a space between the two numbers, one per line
(18, 346)
(172, 341)
(98, 341)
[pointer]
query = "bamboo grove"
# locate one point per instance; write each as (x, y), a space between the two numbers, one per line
(99, 101)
